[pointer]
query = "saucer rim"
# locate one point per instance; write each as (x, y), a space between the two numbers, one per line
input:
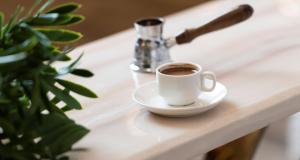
(178, 108)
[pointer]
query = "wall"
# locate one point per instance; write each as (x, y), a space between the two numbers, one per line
(104, 17)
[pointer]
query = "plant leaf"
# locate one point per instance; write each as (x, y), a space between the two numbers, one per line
(56, 109)
(43, 39)
(8, 153)
(60, 133)
(12, 20)
(73, 64)
(77, 88)
(66, 108)
(55, 19)
(65, 8)
(44, 18)
(6, 126)
(74, 20)
(69, 138)
(62, 19)
(23, 47)
(48, 71)
(82, 72)
(1, 24)
(12, 58)
(4, 101)
(68, 99)
(43, 7)
(68, 69)
(50, 19)
(36, 3)
(36, 96)
(59, 56)
(61, 35)
(56, 100)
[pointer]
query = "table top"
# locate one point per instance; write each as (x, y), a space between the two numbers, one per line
(258, 61)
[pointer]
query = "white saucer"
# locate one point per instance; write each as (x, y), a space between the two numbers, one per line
(147, 96)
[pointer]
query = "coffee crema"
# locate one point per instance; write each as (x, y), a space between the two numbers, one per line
(178, 71)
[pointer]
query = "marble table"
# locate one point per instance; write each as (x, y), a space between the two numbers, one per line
(258, 61)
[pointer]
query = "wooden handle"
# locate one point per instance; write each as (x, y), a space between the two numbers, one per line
(235, 16)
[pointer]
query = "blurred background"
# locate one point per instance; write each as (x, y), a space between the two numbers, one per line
(106, 17)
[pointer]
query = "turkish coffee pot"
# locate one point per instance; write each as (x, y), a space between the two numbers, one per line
(152, 50)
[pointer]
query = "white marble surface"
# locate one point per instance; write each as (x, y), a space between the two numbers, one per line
(258, 61)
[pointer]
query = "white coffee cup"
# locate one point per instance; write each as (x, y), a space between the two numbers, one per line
(179, 87)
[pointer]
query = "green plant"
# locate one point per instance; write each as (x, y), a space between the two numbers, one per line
(33, 124)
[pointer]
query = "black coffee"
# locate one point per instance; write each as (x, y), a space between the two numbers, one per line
(179, 71)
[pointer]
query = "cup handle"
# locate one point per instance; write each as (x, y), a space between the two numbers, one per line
(210, 76)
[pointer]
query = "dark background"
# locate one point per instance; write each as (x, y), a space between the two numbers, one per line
(105, 17)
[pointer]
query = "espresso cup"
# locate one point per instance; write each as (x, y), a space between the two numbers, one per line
(180, 83)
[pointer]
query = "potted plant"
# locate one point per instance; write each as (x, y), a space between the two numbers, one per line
(32, 124)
